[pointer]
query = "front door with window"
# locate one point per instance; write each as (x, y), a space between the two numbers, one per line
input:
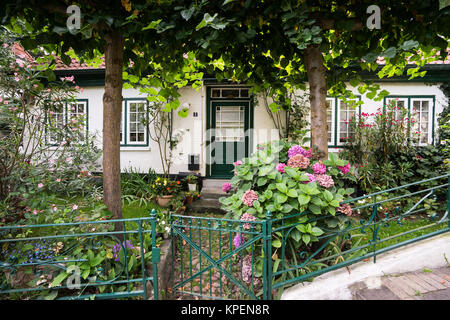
(228, 136)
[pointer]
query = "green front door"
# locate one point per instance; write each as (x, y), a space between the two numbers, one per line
(229, 137)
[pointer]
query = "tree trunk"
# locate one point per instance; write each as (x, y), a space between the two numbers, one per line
(317, 97)
(112, 109)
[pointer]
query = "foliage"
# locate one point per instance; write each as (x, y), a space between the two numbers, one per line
(383, 148)
(191, 179)
(41, 155)
(137, 187)
(317, 191)
(164, 186)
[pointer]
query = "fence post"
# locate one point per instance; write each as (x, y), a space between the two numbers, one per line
(267, 264)
(155, 254)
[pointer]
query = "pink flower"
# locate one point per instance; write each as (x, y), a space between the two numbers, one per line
(294, 150)
(325, 180)
(74, 207)
(237, 163)
(280, 167)
(58, 180)
(247, 217)
(249, 197)
(226, 187)
(247, 269)
(312, 178)
(345, 169)
(319, 168)
(298, 161)
(68, 160)
(345, 209)
(40, 185)
(35, 211)
(238, 240)
(5, 45)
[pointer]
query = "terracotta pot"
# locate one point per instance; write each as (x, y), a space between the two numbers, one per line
(163, 201)
(189, 200)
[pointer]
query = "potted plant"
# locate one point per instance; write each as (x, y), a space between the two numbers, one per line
(164, 190)
(192, 182)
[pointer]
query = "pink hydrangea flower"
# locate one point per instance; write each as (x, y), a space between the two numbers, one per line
(308, 153)
(345, 209)
(294, 150)
(345, 169)
(238, 240)
(247, 217)
(247, 269)
(312, 178)
(249, 197)
(226, 187)
(237, 163)
(319, 168)
(325, 180)
(280, 167)
(298, 161)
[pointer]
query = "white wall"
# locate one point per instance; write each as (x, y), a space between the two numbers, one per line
(193, 137)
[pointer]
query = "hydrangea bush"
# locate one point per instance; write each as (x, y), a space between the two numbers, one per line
(285, 178)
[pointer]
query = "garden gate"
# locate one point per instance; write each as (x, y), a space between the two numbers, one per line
(217, 258)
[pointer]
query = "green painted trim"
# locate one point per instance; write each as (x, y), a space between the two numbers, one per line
(209, 101)
(125, 124)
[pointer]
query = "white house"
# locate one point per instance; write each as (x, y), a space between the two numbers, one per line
(224, 114)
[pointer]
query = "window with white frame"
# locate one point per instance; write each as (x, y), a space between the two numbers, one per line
(346, 112)
(420, 112)
(77, 112)
(421, 120)
(400, 104)
(330, 119)
(134, 118)
(74, 112)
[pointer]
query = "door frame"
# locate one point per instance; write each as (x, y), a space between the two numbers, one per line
(248, 136)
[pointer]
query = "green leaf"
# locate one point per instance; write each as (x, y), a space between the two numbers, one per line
(152, 25)
(187, 13)
(303, 199)
(292, 193)
(306, 238)
(316, 231)
(328, 195)
(282, 187)
(276, 243)
(59, 278)
(314, 209)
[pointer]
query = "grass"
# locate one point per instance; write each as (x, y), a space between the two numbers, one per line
(135, 211)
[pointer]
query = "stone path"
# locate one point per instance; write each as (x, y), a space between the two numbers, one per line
(426, 284)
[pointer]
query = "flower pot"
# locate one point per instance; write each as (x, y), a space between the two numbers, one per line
(163, 201)
(192, 186)
(189, 199)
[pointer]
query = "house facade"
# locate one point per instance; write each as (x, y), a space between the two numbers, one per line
(225, 123)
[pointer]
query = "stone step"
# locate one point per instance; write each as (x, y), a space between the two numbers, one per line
(205, 205)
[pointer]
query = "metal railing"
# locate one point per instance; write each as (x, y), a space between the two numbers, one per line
(80, 260)
(382, 221)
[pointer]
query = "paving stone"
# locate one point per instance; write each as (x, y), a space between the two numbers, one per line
(382, 293)
(410, 281)
(404, 285)
(431, 279)
(397, 290)
(414, 278)
(438, 295)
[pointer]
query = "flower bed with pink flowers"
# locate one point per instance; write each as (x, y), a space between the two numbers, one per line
(287, 179)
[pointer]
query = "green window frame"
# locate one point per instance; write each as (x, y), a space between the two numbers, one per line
(70, 109)
(410, 101)
(131, 130)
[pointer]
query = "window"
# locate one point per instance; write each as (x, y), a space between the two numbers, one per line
(347, 112)
(339, 115)
(71, 111)
(421, 121)
(230, 93)
(134, 117)
(229, 124)
(421, 112)
(330, 119)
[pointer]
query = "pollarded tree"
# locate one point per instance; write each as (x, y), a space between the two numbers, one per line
(285, 44)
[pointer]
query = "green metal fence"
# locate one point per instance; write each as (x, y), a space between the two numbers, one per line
(105, 259)
(217, 258)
